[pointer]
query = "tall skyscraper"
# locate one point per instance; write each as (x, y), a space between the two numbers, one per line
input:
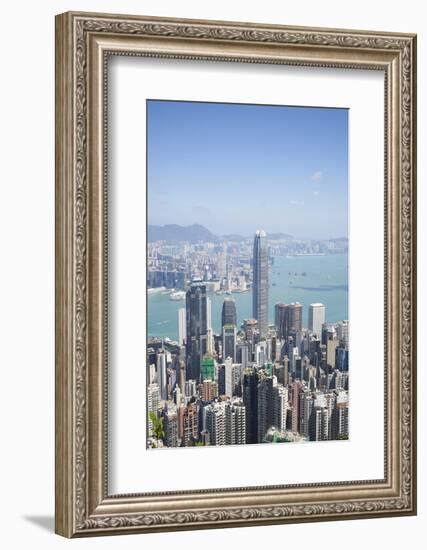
(281, 320)
(221, 270)
(316, 318)
(229, 336)
(342, 332)
(182, 326)
(294, 317)
(265, 404)
(161, 375)
(229, 315)
(233, 373)
(209, 331)
(250, 399)
(288, 319)
(260, 282)
(197, 328)
(280, 406)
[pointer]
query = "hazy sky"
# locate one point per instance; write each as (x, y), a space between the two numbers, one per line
(237, 168)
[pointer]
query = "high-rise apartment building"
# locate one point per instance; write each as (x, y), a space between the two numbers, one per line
(215, 422)
(189, 424)
(235, 422)
(318, 424)
(260, 282)
(153, 398)
(208, 390)
(170, 426)
(339, 420)
(280, 406)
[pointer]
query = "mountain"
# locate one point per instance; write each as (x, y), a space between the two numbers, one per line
(270, 236)
(178, 233)
(233, 237)
(196, 232)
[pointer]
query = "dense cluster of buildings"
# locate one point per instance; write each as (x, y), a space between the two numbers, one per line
(253, 383)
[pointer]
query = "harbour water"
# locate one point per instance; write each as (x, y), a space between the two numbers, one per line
(325, 281)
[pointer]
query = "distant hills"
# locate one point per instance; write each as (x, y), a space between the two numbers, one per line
(195, 233)
(178, 233)
(271, 237)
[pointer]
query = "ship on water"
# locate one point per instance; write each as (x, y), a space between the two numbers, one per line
(177, 296)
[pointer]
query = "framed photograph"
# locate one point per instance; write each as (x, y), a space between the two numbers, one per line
(235, 274)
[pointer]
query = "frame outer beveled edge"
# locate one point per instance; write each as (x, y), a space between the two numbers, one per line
(64, 276)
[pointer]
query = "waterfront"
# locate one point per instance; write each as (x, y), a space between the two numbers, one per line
(325, 281)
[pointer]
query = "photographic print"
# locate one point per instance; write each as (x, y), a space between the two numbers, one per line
(247, 274)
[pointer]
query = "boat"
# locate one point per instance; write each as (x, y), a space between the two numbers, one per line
(176, 296)
(156, 290)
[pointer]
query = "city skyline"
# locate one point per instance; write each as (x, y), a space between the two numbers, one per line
(298, 154)
(249, 384)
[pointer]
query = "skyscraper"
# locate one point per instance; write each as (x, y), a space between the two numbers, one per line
(288, 319)
(316, 318)
(232, 378)
(294, 317)
(197, 328)
(342, 332)
(229, 335)
(250, 399)
(280, 320)
(260, 282)
(229, 315)
(182, 329)
(161, 375)
(265, 404)
(221, 270)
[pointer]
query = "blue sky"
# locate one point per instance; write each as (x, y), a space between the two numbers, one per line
(235, 168)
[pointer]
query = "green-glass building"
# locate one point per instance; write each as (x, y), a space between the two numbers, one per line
(207, 369)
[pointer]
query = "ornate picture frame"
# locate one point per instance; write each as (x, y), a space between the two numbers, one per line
(84, 42)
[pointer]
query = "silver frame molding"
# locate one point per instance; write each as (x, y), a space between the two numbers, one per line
(83, 43)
